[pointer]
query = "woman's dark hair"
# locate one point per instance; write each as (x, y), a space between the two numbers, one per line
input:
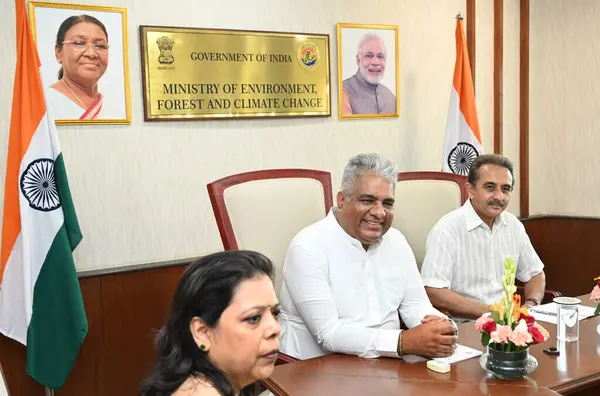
(68, 24)
(205, 290)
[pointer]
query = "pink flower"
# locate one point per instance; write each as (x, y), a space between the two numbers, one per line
(595, 293)
(485, 318)
(520, 336)
(501, 334)
(543, 332)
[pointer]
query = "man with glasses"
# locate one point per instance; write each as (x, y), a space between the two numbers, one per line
(363, 93)
(466, 249)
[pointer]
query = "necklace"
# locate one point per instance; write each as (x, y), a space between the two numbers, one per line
(70, 90)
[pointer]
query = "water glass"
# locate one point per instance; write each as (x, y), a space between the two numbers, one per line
(567, 314)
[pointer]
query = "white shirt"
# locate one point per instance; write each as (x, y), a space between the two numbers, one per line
(338, 297)
(465, 256)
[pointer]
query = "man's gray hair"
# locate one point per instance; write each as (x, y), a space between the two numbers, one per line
(365, 164)
(369, 37)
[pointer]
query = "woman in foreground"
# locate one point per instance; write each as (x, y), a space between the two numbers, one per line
(222, 332)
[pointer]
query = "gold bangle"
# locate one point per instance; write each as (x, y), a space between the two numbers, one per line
(399, 349)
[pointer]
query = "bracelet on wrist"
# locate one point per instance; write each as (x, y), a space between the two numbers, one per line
(533, 300)
(399, 349)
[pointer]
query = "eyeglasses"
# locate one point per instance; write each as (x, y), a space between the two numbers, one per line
(100, 47)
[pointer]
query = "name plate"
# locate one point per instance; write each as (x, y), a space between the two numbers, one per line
(212, 73)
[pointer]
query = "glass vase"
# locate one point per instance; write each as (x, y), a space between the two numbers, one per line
(508, 365)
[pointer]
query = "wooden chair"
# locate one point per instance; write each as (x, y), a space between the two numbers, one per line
(263, 211)
(422, 198)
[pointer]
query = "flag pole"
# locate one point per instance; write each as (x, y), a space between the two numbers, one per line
(49, 392)
(459, 16)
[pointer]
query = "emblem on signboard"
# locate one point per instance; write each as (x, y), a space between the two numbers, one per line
(308, 56)
(165, 45)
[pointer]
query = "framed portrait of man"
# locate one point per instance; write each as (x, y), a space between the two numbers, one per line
(368, 71)
(84, 65)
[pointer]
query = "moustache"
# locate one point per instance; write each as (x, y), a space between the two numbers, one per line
(495, 202)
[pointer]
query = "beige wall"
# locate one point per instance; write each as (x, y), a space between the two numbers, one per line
(140, 190)
(564, 111)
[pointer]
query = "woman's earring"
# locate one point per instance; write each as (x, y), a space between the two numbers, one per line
(202, 347)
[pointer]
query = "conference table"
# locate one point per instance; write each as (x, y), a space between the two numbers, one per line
(576, 371)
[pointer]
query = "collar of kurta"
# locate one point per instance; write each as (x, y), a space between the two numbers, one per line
(337, 228)
(473, 220)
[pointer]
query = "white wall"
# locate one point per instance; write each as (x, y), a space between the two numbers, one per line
(140, 190)
(564, 119)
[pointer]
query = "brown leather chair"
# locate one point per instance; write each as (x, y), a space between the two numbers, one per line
(286, 199)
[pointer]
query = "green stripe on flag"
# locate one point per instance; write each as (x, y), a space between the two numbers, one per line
(58, 323)
(64, 194)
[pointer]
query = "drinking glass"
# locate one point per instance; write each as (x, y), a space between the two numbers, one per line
(567, 314)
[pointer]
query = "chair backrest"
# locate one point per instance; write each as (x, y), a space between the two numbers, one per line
(422, 198)
(264, 210)
(3, 385)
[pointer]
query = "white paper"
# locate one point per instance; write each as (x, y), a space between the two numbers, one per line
(462, 353)
(547, 312)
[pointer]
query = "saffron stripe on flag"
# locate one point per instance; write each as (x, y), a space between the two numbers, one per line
(40, 298)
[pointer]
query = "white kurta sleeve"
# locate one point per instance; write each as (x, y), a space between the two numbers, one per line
(306, 279)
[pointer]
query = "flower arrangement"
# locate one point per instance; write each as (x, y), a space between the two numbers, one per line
(595, 296)
(509, 327)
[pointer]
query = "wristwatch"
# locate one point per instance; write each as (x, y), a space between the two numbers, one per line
(533, 300)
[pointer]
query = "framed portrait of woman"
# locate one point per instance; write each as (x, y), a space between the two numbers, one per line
(84, 66)
(368, 72)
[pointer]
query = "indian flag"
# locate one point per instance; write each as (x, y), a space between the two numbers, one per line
(40, 299)
(463, 139)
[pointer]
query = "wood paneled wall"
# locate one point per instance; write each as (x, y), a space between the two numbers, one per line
(569, 248)
(124, 310)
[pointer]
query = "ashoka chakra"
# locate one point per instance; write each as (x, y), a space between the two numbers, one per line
(38, 185)
(460, 158)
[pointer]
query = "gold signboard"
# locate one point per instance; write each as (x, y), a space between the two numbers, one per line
(210, 73)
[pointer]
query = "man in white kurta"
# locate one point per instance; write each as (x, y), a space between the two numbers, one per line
(466, 249)
(347, 278)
